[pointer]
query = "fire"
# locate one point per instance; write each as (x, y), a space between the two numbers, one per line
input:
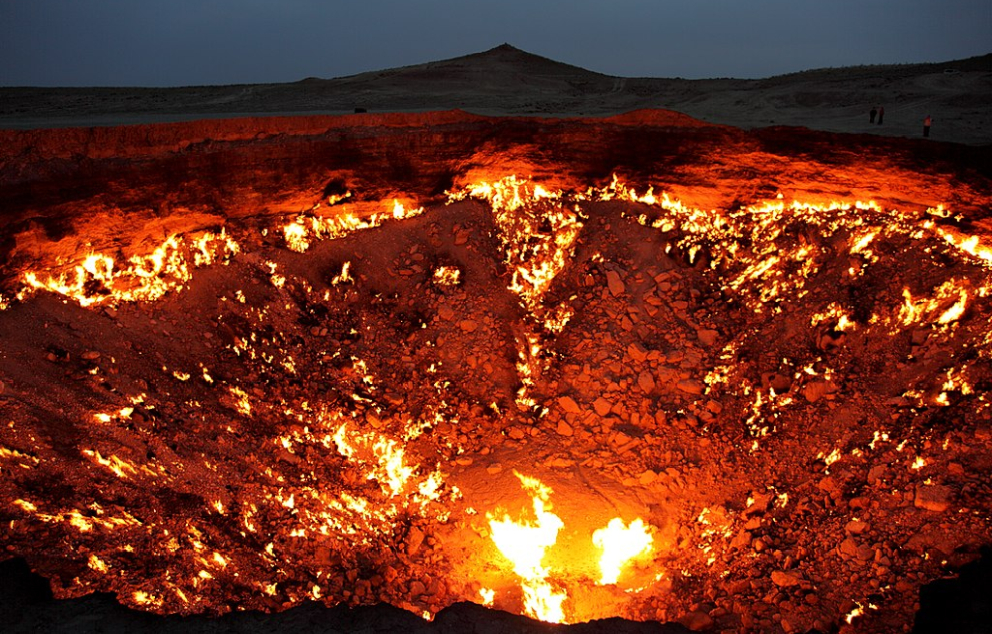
(344, 276)
(389, 467)
(295, 234)
(120, 468)
(620, 544)
(537, 231)
(242, 404)
(300, 234)
(447, 276)
(97, 564)
(99, 279)
(970, 245)
(946, 307)
(525, 543)
(488, 596)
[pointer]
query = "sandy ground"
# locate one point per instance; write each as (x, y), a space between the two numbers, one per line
(507, 81)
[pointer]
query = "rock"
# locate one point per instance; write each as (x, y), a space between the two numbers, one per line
(414, 540)
(815, 391)
(849, 547)
(636, 352)
(855, 527)
(645, 381)
(785, 579)
(445, 313)
(516, 433)
(829, 485)
(647, 477)
(697, 621)
(741, 541)
(830, 341)
(759, 503)
(568, 404)
(90, 355)
(707, 337)
(468, 325)
(781, 383)
(690, 386)
(876, 473)
(933, 497)
(416, 588)
(389, 574)
(322, 555)
(665, 375)
(615, 284)
(818, 389)
(602, 406)
(286, 456)
(564, 429)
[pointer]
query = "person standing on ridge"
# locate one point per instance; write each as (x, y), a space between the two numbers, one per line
(926, 125)
(881, 113)
(871, 114)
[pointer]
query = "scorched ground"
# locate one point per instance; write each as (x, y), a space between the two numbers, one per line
(562, 398)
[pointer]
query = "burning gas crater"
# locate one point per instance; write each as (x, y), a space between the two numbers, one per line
(567, 404)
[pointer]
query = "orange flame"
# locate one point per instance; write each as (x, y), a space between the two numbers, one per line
(620, 544)
(99, 280)
(524, 543)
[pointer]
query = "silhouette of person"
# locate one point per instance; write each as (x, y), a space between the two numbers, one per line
(926, 125)
(881, 114)
(872, 114)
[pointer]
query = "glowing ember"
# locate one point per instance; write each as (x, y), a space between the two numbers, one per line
(620, 544)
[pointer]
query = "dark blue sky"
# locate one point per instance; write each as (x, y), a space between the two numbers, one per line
(188, 42)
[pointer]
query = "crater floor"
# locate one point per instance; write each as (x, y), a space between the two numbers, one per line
(429, 358)
(792, 397)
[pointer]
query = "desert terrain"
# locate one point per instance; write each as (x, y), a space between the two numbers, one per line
(263, 363)
(508, 81)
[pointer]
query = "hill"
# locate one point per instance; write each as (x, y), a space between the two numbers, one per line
(508, 81)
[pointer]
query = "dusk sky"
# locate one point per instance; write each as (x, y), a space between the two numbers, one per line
(193, 42)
